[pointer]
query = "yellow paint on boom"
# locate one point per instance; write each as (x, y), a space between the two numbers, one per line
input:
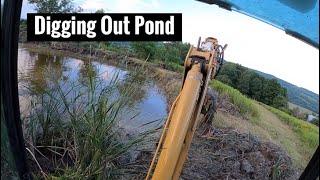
(200, 65)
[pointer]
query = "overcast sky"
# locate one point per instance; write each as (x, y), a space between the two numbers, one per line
(251, 43)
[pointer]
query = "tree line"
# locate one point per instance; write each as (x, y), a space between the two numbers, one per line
(169, 55)
(161, 51)
(251, 84)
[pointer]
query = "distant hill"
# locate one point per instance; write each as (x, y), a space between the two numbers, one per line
(297, 95)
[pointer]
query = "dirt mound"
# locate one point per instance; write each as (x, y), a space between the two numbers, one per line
(230, 154)
(227, 153)
(224, 104)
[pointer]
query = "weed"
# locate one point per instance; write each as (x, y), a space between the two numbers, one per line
(75, 129)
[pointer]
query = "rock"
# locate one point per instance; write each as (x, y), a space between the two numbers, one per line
(236, 166)
(246, 166)
(245, 146)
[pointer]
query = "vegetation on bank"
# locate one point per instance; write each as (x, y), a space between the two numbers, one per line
(169, 55)
(72, 130)
(308, 133)
(56, 6)
(303, 113)
(298, 95)
(299, 138)
(246, 105)
(249, 83)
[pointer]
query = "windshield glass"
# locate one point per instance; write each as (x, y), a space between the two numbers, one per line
(302, 23)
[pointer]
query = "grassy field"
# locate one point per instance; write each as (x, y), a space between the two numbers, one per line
(297, 137)
(308, 133)
(302, 109)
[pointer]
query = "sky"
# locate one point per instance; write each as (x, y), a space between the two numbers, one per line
(251, 43)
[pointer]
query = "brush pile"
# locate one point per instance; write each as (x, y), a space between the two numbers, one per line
(230, 154)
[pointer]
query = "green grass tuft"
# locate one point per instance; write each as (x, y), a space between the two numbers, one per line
(74, 126)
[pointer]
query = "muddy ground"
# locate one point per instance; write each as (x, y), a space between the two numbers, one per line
(223, 153)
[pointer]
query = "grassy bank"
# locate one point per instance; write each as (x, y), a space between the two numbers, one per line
(297, 137)
(246, 105)
(308, 133)
(72, 131)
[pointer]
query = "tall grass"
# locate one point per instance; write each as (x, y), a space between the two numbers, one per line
(74, 127)
(246, 105)
(308, 133)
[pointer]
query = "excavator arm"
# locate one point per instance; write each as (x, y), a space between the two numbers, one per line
(200, 66)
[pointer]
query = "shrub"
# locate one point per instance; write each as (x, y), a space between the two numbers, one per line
(315, 122)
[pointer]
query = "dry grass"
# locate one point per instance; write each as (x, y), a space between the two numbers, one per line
(270, 128)
(297, 137)
(231, 154)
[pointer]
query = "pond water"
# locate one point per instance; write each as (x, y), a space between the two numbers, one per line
(32, 65)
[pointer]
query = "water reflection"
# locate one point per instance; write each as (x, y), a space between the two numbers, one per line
(36, 68)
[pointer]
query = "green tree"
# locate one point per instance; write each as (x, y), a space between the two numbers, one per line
(233, 71)
(172, 55)
(55, 6)
(225, 79)
(280, 101)
(144, 49)
(160, 53)
(315, 122)
(256, 88)
(274, 95)
(181, 49)
(270, 91)
(100, 11)
(296, 112)
(244, 82)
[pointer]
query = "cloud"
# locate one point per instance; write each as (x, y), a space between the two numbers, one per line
(26, 8)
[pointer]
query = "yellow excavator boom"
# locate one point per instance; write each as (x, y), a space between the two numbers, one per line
(200, 66)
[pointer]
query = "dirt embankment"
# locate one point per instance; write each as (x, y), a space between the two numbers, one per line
(228, 153)
(224, 153)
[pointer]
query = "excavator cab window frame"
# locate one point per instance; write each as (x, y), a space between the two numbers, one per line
(10, 111)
